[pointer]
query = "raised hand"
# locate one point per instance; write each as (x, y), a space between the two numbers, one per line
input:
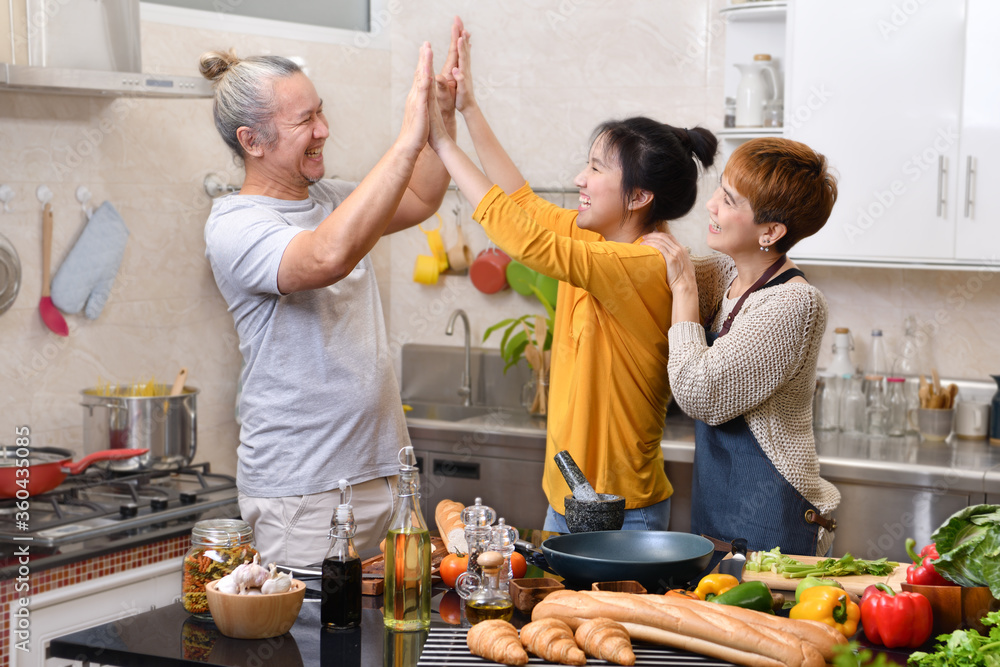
(438, 134)
(464, 97)
(416, 123)
(445, 83)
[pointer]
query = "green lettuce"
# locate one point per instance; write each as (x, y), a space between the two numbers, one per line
(969, 546)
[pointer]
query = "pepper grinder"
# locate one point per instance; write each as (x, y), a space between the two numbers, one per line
(477, 519)
(502, 541)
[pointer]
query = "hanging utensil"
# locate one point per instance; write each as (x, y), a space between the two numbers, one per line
(10, 274)
(53, 319)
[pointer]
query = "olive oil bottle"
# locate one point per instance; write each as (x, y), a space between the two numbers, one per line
(490, 600)
(407, 603)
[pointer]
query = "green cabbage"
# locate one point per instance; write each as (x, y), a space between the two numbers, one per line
(969, 546)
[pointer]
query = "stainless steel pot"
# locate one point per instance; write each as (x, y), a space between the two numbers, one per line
(165, 425)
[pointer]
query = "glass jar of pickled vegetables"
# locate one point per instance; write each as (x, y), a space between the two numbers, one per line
(217, 547)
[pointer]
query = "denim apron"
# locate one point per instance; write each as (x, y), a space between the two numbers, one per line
(736, 490)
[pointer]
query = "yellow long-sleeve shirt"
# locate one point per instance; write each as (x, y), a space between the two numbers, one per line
(608, 385)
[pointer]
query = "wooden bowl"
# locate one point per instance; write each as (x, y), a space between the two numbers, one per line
(627, 586)
(526, 593)
(255, 616)
(956, 607)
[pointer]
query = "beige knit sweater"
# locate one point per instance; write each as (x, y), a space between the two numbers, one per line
(763, 369)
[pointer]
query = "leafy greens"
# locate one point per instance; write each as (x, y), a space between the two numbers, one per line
(969, 545)
(966, 648)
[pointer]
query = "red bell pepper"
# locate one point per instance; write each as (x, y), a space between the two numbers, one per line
(895, 619)
(922, 572)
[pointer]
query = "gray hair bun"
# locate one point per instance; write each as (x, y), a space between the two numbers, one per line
(215, 63)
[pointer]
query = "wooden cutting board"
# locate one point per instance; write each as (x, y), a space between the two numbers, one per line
(373, 569)
(852, 583)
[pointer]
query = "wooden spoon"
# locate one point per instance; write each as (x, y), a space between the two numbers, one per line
(952, 394)
(924, 393)
(178, 387)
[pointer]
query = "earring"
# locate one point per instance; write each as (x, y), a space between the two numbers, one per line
(765, 249)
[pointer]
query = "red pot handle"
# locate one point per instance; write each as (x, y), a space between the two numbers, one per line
(107, 455)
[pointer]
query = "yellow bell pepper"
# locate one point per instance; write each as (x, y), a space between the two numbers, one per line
(715, 584)
(830, 605)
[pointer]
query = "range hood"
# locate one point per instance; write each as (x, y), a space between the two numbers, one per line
(85, 47)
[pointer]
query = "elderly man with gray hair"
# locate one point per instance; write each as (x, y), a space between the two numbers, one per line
(290, 254)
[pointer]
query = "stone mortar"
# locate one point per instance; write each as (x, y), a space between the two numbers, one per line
(607, 513)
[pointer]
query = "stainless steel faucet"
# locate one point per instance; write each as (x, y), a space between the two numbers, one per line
(465, 391)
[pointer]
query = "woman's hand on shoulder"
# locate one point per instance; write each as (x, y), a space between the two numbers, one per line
(680, 269)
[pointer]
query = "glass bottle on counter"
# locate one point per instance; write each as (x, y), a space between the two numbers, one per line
(407, 602)
(490, 600)
(217, 547)
(898, 407)
(853, 413)
(876, 410)
(341, 583)
(502, 541)
(826, 404)
(842, 364)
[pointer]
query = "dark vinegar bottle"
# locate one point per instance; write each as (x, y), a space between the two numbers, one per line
(341, 584)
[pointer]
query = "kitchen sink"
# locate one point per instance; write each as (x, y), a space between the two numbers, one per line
(446, 412)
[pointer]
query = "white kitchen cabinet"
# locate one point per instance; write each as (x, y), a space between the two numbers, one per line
(752, 28)
(977, 237)
(876, 87)
(114, 597)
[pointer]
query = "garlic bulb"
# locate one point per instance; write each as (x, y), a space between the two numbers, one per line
(250, 575)
(227, 585)
(278, 582)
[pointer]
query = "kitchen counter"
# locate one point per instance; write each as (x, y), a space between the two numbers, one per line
(891, 488)
(965, 465)
(170, 637)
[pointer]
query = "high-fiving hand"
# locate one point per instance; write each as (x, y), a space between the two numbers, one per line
(445, 83)
(416, 123)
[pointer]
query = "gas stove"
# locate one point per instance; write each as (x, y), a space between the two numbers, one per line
(103, 507)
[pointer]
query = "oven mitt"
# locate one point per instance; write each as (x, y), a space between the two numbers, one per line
(86, 276)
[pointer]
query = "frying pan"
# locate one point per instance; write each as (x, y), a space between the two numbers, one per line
(657, 559)
(47, 467)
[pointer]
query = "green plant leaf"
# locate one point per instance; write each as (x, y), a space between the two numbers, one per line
(516, 350)
(515, 325)
(502, 323)
(545, 302)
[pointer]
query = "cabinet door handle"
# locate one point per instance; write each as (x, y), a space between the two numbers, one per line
(970, 174)
(463, 469)
(942, 179)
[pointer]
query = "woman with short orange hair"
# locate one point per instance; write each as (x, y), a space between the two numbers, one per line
(744, 339)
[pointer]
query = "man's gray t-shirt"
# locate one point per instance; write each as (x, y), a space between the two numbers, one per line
(320, 400)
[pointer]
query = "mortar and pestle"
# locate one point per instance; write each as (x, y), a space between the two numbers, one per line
(586, 510)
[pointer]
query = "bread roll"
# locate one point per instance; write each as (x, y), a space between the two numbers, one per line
(448, 517)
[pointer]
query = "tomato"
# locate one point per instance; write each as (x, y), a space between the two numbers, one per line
(453, 565)
(518, 565)
(450, 608)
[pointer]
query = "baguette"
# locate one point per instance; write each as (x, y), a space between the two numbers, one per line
(820, 635)
(748, 641)
(448, 517)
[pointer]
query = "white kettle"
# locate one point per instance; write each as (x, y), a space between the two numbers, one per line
(758, 87)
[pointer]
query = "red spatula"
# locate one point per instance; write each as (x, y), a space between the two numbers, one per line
(50, 314)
